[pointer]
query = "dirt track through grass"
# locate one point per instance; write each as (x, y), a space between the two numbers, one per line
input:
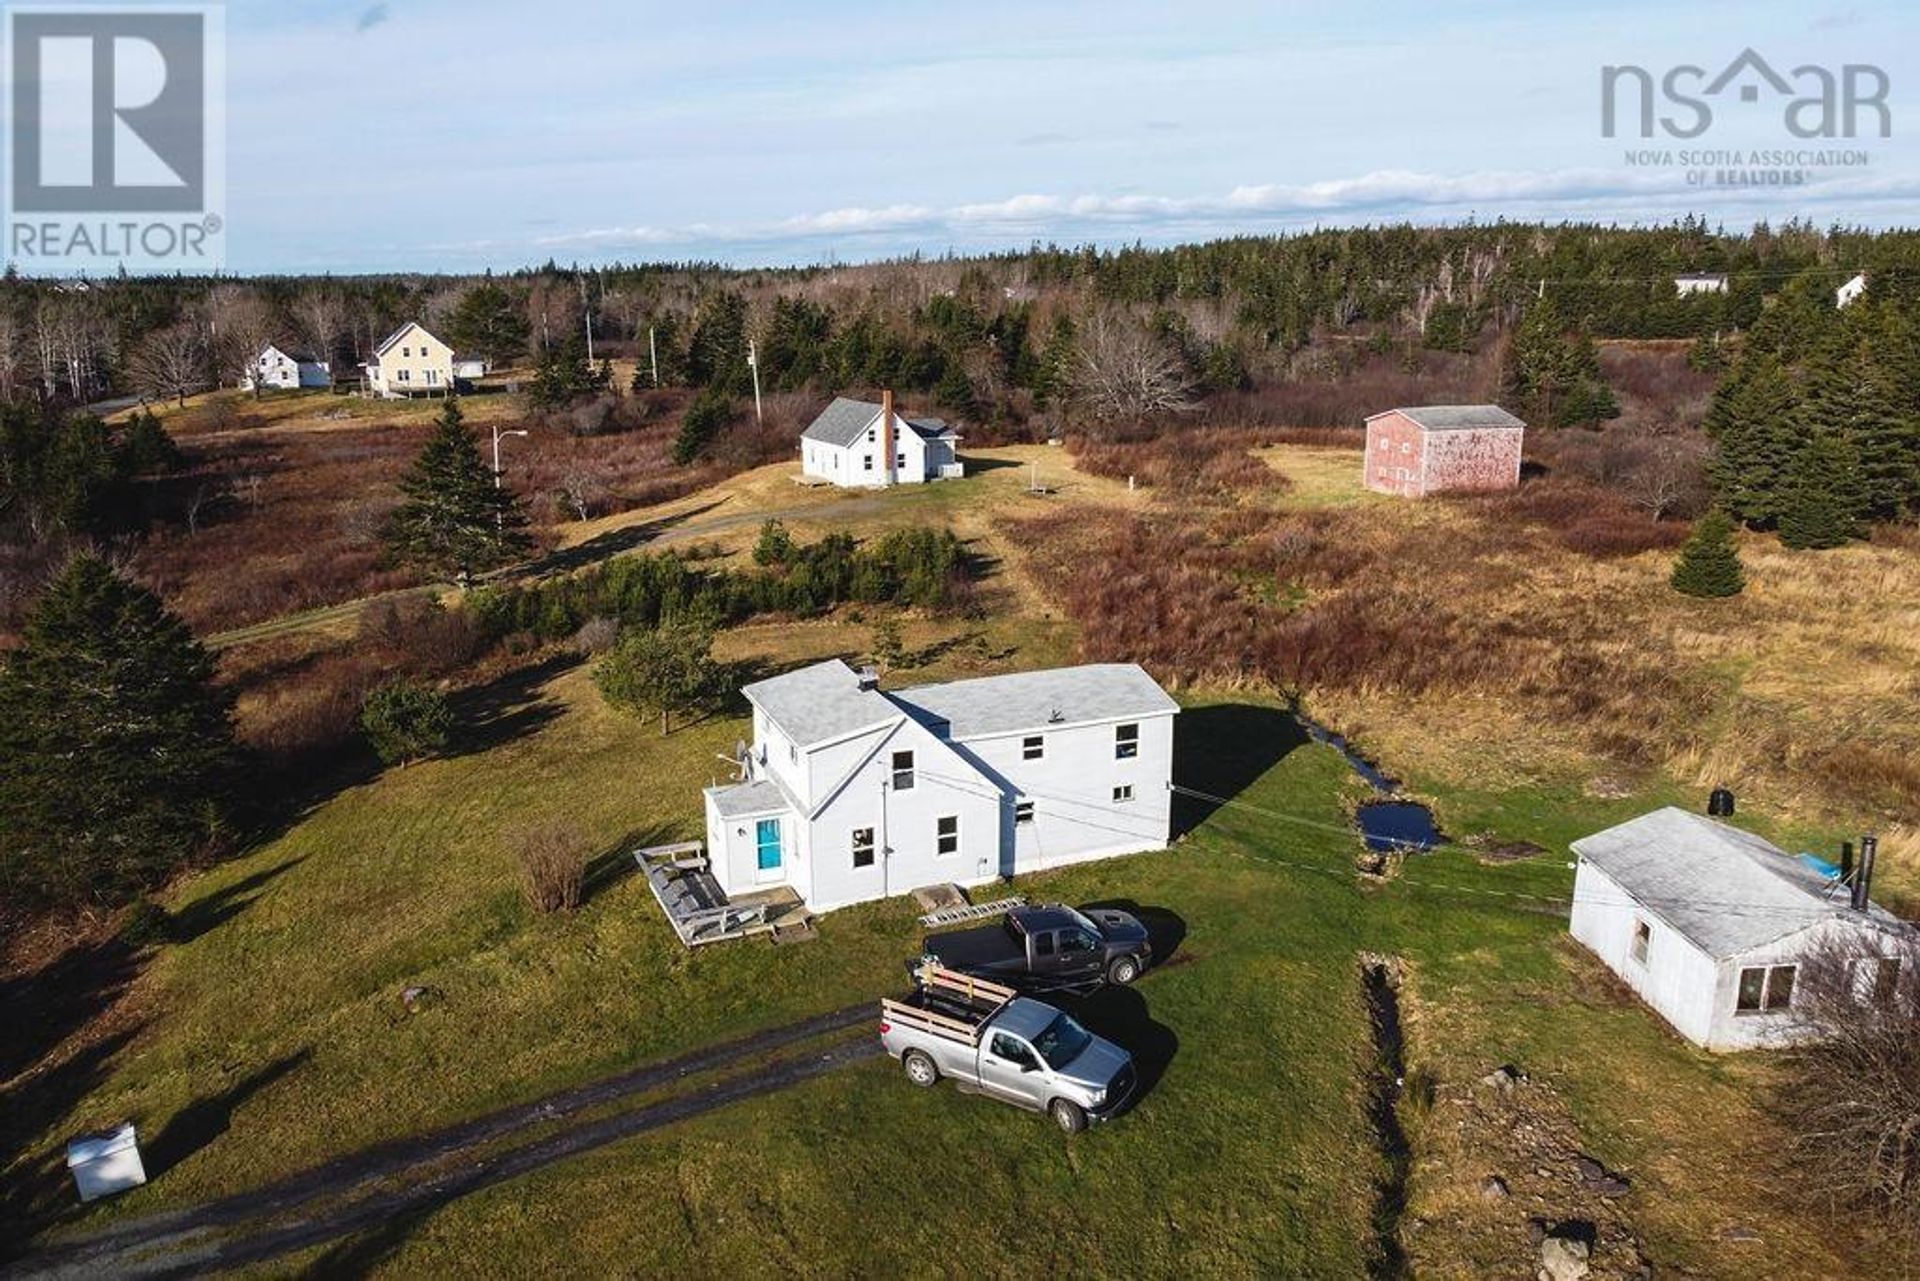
(177, 1241)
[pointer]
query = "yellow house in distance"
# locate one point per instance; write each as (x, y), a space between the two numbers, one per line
(413, 362)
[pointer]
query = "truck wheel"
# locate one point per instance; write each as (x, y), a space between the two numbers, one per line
(1067, 1115)
(1124, 971)
(920, 1068)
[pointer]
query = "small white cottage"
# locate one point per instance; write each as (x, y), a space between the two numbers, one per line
(1699, 283)
(856, 444)
(1710, 924)
(852, 793)
(283, 369)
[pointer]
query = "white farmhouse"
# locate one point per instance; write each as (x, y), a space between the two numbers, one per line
(1711, 925)
(853, 793)
(1850, 291)
(855, 443)
(413, 362)
(1699, 283)
(281, 368)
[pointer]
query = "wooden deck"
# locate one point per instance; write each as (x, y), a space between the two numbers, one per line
(700, 911)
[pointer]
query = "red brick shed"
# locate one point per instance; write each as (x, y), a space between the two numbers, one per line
(1429, 449)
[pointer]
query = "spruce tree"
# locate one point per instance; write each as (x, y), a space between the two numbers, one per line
(1755, 424)
(1824, 496)
(1849, 395)
(118, 746)
(1709, 563)
(457, 518)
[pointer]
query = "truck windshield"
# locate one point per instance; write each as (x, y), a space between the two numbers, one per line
(1062, 1042)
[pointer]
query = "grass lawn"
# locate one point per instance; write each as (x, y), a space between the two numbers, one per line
(273, 1035)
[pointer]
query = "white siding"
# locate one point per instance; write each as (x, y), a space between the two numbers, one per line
(1677, 979)
(861, 464)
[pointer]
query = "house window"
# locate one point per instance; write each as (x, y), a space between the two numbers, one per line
(406, 375)
(899, 462)
(866, 462)
(863, 847)
(1023, 811)
(1123, 793)
(433, 376)
(946, 834)
(1033, 747)
(1642, 937)
(1126, 742)
(1764, 988)
(872, 434)
(903, 771)
(406, 351)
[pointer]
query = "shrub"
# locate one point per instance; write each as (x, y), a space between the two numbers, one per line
(553, 865)
(667, 670)
(1709, 564)
(406, 721)
(597, 635)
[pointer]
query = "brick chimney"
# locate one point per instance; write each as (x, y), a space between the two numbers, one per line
(886, 437)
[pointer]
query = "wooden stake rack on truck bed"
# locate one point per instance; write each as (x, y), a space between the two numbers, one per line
(948, 1004)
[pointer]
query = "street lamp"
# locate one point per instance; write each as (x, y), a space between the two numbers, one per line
(497, 436)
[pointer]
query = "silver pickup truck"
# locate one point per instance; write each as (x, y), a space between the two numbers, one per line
(992, 1040)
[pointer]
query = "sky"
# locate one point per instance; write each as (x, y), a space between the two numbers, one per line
(462, 134)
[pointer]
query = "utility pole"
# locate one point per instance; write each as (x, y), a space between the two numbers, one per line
(653, 356)
(753, 363)
(586, 317)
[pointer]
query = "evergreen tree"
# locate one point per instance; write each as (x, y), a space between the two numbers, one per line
(1754, 421)
(486, 320)
(563, 375)
(669, 669)
(457, 518)
(117, 744)
(717, 353)
(706, 416)
(406, 721)
(1824, 495)
(1709, 563)
(1054, 378)
(1850, 396)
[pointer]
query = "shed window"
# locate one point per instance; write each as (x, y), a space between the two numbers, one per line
(946, 834)
(1126, 742)
(1033, 747)
(903, 771)
(1642, 937)
(1765, 987)
(863, 847)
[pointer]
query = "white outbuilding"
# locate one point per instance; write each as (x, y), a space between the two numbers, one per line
(1711, 925)
(1850, 292)
(286, 369)
(858, 444)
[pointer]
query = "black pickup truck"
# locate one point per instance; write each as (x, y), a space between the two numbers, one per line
(1047, 947)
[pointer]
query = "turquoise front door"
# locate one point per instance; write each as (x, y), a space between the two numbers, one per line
(767, 844)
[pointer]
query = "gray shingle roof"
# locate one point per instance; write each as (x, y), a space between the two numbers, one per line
(841, 422)
(819, 703)
(1033, 700)
(1454, 417)
(1724, 889)
(742, 799)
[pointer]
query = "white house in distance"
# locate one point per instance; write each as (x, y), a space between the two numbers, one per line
(1846, 293)
(856, 443)
(1710, 925)
(413, 362)
(1699, 283)
(285, 369)
(853, 793)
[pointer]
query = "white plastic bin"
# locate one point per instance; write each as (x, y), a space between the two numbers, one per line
(106, 1163)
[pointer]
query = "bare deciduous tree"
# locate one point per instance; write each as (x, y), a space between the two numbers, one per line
(1126, 374)
(239, 323)
(582, 489)
(171, 362)
(1663, 473)
(320, 317)
(1851, 1099)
